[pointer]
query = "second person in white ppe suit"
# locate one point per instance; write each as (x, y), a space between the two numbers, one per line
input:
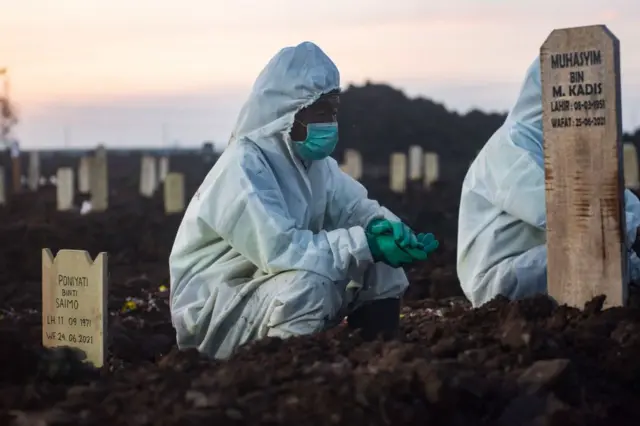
(502, 219)
(278, 241)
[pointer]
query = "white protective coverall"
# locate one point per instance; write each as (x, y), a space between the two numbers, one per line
(502, 219)
(270, 246)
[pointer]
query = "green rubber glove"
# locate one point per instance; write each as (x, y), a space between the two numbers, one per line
(385, 249)
(428, 242)
(402, 234)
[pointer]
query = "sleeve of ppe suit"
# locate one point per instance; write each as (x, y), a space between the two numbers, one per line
(521, 190)
(634, 267)
(348, 202)
(247, 209)
(632, 216)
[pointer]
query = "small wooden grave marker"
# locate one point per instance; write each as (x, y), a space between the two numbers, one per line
(65, 191)
(353, 162)
(431, 169)
(631, 172)
(580, 71)
(99, 180)
(174, 193)
(74, 302)
(84, 175)
(415, 162)
(398, 172)
(33, 173)
(148, 177)
(163, 168)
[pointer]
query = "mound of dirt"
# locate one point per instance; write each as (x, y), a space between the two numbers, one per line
(507, 363)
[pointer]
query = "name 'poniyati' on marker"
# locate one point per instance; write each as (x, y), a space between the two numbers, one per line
(74, 297)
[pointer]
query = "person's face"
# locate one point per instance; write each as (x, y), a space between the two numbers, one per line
(324, 110)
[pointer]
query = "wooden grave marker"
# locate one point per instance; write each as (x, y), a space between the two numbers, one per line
(398, 172)
(33, 173)
(84, 175)
(415, 162)
(174, 193)
(148, 176)
(630, 161)
(580, 73)
(431, 169)
(65, 191)
(353, 162)
(99, 180)
(74, 302)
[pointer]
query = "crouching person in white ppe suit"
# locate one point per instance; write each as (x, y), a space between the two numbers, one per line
(502, 219)
(278, 241)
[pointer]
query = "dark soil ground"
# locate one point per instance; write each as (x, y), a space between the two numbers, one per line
(507, 363)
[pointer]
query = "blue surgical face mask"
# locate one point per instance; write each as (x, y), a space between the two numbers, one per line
(321, 140)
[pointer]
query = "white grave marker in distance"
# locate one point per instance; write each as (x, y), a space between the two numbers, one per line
(74, 302)
(398, 172)
(148, 179)
(84, 175)
(163, 168)
(353, 163)
(64, 188)
(174, 193)
(99, 180)
(431, 169)
(415, 162)
(586, 252)
(33, 179)
(631, 178)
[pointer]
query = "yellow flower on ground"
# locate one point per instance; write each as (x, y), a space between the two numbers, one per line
(129, 306)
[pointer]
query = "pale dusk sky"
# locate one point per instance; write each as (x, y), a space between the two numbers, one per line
(119, 71)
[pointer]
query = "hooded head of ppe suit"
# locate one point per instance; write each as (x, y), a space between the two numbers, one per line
(281, 104)
(276, 230)
(502, 217)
